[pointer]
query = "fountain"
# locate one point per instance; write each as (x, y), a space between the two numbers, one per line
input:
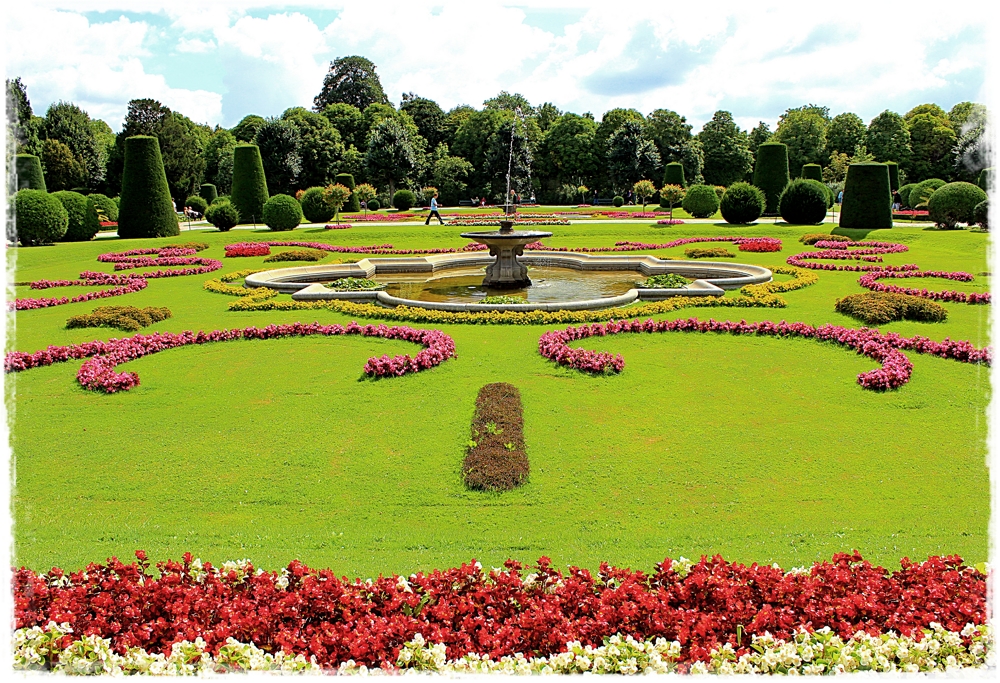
(506, 244)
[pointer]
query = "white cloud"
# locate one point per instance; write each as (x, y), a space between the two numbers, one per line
(195, 45)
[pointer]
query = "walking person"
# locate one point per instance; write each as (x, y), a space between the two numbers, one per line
(434, 211)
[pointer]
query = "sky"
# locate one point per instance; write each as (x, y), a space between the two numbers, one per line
(219, 61)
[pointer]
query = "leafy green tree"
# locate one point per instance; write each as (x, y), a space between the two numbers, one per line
(671, 195)
(511, 147)
(349, 122)
(644, 189)
(631, 156)
(453, 120)
(320, 146)
(932, 142)
(450, 175)
(758, 136)
(67, 123)
(22, 125)
(246, 129)
(63, 169)
(219, 159)
(427, 116)
(671, 133)
(279, 142)
(105, 138)
(888, 138)
(351, 80)
(336, 196)
(353, 162)
(547, 114)
(727, 150)
(365, 193)
(182, 145)
(928, 108)
(960, 113)
(567, 153)
(845, 132)
(472, 144)
(507, 102)
(391, 158)
(803, 131)
(612, 120)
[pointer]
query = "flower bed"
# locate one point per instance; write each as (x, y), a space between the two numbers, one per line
(835, 250)
(123, 284)
(709, 252)
(381, 249)
(354, 284)
(670, 221)
(98, 372)
(178, 255)
(757, 244)
(381, 217)
(495, 459)
(296, 255)
(871, 281)
(125, 318)
(519, 220)
(884, 349)
(878, 308)
(244, 249)
(814, 237)
(629, 214)
(711, 611)
(337, 226)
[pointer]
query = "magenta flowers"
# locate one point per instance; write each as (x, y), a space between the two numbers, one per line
(885, 349)
(98, 373)
(871, 281)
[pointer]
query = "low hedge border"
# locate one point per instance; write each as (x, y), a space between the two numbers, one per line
(878, 308)
(296, 255)
(125, 318)
(709, 252)
(495, 459)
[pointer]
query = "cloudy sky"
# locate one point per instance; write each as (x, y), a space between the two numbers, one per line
(218, 61)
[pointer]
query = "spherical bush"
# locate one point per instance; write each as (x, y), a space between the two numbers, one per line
(83, 221)
(403, 200)
(742, 204)
(196, 203)
(618, 200)
(701, 201)
(803, 202)
(41, 218)
(222, 214)
(105, 206)
(955, 203)
(922, 191)
(282, 212)
(315, 207)
(904, 193)
(373, 205)
(981, 214)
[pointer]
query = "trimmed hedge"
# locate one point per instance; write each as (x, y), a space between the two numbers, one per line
(83, 221)
(742, 204)
(986, 177)
(125, 318)
(981, 214)
(867, 200)
(893, 176)
(701, 201)
(282, 212)
(29, 172)
(353, 204)
(209, 192)
(955, 203)
(618, 200)
(924, 190)
(814, 237)
(314, 205)
(373, 205)
(709, 252)
(403, 200)
(496, 458)
(223, 215)
(105, 206)
(904, 194)
(771, 173)
(812, 172)
(878, 308)
(673, 174)
(145, 209)
(40, 218)
(297, 255)
(804, 202)
(197, 202)
(249, 192)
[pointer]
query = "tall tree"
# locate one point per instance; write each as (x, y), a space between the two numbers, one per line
(246, 129)
(472, 141)
(219, 160)
(22, 124)
(63, 169)
(727, 150)
(508, 102)
(845, 133)
(567, 154)
(144, 117)
(671, 133)
(631, 157)
(888, 138)
(803, 130)
(453, 120)
(960, 113)
(390, 158)
(928, 108)
(280, 154)
(547, 114)
(428, 117)
(351, 80)
(450, 175)
(612, 121)
(182, 145)
(67, 123)
(511, 147)
(349, 121)
(320, 147)
(758, 136)
(932, 142)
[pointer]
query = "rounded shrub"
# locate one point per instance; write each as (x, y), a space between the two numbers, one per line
(986, 177)
(878, 308)
(373, 205)
(893, 175)
(222, 198)
(673, 174)
(701, 201)
(867, 200)
(197, 203)
(812, 172)
(209, 192)
(922, 191)
(618, 200)
(742, 203)
(904, 193)
(955, 203)
(315, 207)
(146, 209)
(41, 218)
(249, 185)
(222, 214)
(83, 221)
(981, 214)
(29, 172)
(282, 212)
(803, 202)
(771, 173)
(105, 207)
(347, 180)
(403, 200)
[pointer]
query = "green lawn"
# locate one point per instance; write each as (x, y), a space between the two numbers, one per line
(760, 449)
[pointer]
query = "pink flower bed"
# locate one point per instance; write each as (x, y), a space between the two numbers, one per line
(370, 249)
(757, 244)
(162, 256)
(629, 214)
(337, 226)
(850, 251)
(871, 281)
(242, 249)
(127, 284)
(381, 217)
(98, 373)
(670, 221)
(882, 348)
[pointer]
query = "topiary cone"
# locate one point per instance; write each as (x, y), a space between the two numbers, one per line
(209, 192)
(249, 193)
(812, 172)
(347, 180)
(29, 172)
(771, 173)
(146, 209)
(867, 199)
(893, 176)
(673, 174)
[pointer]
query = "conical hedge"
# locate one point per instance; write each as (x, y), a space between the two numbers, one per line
(812, 172)
(771, 173)
(867, 199)
(347, 180)
(893, 176)
(985, 181)
(209, 192)
(146, 209)
(249, 191)
(29, 172)
(673, 174)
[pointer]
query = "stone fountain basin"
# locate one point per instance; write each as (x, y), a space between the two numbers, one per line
(710, 278)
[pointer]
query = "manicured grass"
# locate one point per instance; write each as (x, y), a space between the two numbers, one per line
(760, 449)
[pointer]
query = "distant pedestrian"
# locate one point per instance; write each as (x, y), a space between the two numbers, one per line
(434, 211)
(897, 200)
(840, 197)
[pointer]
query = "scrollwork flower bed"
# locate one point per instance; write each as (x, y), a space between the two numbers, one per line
(871, 281)
(161, 256)
(122, 284)
(495, 222)
(337, 226)
(381, 217)
(670, 221)
(757, 244)
(246, 249)
(98, 372)
(850, 251)
(382, 249)
(885, 349)
(709, 615)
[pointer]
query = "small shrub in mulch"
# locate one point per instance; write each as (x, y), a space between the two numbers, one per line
(126, 318)
(877, 308)
(297, 255)
(496, 458)
(709, 252)
(666, 281)
(814, 237)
